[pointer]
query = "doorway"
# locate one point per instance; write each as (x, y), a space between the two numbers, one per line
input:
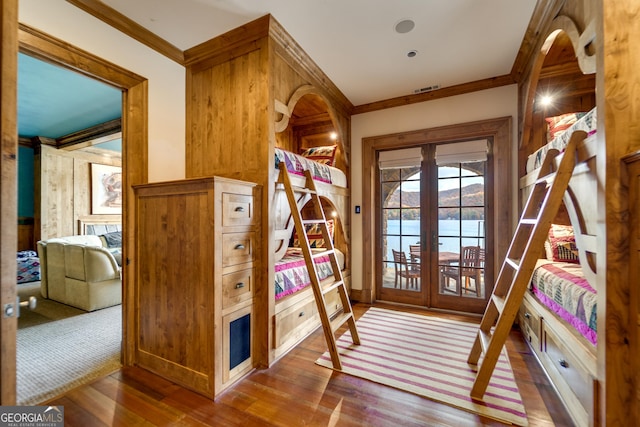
(432, 225)
(55, 188)
(135, 155)
(437, 171)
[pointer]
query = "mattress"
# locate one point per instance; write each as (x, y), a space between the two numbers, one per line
(297, 164)
(562, 288)
(586, 123)
(28, 267)
(291, 274)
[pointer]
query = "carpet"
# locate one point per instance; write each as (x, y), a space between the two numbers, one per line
(60, 355)
(46, 310)
(427, 356)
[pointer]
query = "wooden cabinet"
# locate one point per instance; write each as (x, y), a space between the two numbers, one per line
(566, 357)
(197, 268)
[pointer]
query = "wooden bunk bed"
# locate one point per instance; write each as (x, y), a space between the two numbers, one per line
(558, 316)
(255, 95)
(295, 312)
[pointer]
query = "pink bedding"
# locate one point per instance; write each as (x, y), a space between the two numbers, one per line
(562, 288)
(292, 274)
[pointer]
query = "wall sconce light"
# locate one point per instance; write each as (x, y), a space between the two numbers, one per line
(546, 100)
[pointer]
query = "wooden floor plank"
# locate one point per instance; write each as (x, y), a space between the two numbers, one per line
(296, 392)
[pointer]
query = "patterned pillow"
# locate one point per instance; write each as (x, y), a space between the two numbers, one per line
(561, 244)
(559, 124)
(325, 154)
(314, 233)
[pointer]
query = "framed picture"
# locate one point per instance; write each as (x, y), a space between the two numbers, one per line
(106, 189)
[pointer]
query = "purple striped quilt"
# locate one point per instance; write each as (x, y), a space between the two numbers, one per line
(292, 274)
(562, 288)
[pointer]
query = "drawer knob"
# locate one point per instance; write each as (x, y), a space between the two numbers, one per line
(239, 285)
(527, 315)
(301, 314)
(563, 363)
(240, 209)
(239, 246)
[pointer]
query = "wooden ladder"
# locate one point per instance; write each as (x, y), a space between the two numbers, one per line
(516, 271)
(320, 289)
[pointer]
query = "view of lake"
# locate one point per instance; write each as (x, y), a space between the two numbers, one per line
(447, 227)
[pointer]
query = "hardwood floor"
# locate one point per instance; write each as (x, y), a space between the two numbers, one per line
(296, 392)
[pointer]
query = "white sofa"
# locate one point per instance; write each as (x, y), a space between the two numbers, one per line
(79, 271)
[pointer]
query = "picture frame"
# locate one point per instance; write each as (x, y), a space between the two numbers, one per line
(106, 189)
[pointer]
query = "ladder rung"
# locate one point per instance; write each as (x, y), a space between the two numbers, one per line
(498, 302)
(340, 320)
(302, 190)
(548, 179)
(332, 286)
(313, 221)
(485, 339)
(529, 221)
(512, 263)
(315, 255)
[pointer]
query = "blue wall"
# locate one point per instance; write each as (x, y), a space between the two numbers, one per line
(25, 181)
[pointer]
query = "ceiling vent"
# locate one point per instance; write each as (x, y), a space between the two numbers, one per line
(426, 89)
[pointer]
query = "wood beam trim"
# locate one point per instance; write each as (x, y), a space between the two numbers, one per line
(43, 140)
(25, 142)
(93, 133)
(240, 40)
(60, 53)
(129, 27)
(436, 94)
(83, 138)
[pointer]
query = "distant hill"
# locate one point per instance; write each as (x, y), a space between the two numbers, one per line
(473, 195)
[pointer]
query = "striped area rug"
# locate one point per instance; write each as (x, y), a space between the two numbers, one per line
(427, 356)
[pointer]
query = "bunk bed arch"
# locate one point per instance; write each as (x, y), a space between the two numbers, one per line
(284, 112)
(582, 44)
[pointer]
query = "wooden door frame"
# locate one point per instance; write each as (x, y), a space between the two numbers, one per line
(8, 196)
(134, 165)
(498, 130)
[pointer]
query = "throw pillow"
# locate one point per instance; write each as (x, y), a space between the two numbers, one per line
(325, 154)
(315, 235)
(557, 125)
(561, 244)
(113, 240)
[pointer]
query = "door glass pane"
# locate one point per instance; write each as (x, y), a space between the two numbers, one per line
(400, 194)
(461, 242)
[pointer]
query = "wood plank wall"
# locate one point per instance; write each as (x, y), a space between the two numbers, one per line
(618, 97)
(63, 189)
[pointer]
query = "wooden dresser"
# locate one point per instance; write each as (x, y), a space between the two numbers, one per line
(197, 265)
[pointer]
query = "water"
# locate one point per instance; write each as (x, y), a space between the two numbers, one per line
(447, 227)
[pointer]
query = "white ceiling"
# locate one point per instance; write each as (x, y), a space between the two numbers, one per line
(354, 41)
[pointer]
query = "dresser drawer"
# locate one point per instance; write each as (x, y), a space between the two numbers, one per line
(237, 287)
(292, 321)
(237, 210)
(238, 248)
(530, 323)
(568, 368)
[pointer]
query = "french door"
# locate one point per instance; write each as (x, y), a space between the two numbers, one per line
(432, 226)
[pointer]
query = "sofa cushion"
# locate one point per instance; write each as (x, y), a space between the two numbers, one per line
(112, 240)
(82, 239)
